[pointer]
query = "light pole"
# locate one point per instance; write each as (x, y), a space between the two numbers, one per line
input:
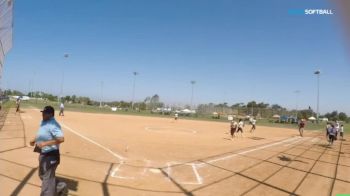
(192, 84)
(296, 103)
(36, 97)
(101, 94)
(318, 72)
(62, 80)
(133, 89)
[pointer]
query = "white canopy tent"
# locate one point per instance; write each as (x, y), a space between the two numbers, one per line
(276, 116)
(312, 118)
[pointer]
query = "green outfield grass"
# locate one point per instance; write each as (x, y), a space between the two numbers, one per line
(95, 109)
(309, 125)
(6, 105)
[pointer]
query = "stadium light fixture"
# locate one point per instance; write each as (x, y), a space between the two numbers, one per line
(66, 55)
(296, 103)
(318, 72)
(133, 89)
(192, 84)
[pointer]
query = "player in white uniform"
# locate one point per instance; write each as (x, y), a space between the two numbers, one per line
(341, 132)
(240, 127)
(61, 110)
(337, 128)
(253, 121)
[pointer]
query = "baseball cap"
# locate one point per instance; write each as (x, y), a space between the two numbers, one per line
(48, 110)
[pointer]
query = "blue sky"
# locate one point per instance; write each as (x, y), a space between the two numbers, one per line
(237, 51)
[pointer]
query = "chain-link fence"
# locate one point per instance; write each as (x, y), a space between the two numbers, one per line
(6, 28)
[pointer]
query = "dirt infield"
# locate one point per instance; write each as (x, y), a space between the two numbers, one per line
(129, 155)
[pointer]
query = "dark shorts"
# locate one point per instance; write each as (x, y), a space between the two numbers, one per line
(233, 130)
(253, 127)
(341, 134)
(240, 129)
(332, 137)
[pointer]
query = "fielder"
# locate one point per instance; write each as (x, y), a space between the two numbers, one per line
(240, 127)
(18, 104)
(342, 132)
(253, 125)
(61, 110)
(233, 128)
(301, 127)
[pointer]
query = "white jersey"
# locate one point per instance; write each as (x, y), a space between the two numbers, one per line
(61, 106)
(241, 124)
(337, 126)
(234, 124)
(341, 129)
(253, 122)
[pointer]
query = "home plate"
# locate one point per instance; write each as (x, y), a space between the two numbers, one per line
(155, 171)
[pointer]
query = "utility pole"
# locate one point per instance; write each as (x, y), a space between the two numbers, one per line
(62, 80)
(133, 89)
(101, 94)
(192, 85)
(296, 103)
(318, 72)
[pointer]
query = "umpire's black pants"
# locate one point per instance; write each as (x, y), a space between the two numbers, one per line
(47, 173)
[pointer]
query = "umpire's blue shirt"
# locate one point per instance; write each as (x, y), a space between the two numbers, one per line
(49, 130)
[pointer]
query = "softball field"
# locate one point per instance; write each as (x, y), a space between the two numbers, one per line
(106, 154)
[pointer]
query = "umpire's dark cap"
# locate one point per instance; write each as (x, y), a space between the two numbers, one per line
(48, 110)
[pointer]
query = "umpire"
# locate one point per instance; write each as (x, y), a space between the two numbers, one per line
(47, 143)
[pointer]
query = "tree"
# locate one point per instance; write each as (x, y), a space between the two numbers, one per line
(333, 116)
(276, 107)
(73, 98)
(251, 104)
(67, 98)
(155, 99)
(13, 92)
(147, 102)
(141, 105)
(263, 105)
(305, 114)
(85, 101)
(155, 102)
(342, 116)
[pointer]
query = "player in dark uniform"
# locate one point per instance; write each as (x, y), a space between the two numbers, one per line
(328, 126)
(233, 128)
(332, 131)
(18, 104)
(301, 127)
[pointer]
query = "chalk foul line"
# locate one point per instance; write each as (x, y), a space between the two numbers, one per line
(247, 151)
(93, 142)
